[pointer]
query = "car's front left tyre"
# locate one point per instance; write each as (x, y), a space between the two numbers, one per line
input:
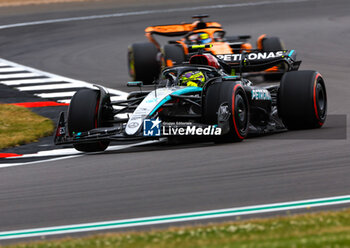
(83, 116)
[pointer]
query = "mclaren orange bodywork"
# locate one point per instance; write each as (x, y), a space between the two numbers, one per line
(191, 34)
(212, 29)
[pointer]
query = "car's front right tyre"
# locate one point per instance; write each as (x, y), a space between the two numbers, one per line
(226, 104)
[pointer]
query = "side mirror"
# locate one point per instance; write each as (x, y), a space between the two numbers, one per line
(134, 84)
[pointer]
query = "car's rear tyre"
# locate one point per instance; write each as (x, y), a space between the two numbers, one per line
(83, 116)
(143, 63)
(173, 55)
(302, 100)
(226, 104)
(273, 44)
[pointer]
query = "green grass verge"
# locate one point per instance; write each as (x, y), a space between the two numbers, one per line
(19, 126)
(325, 229)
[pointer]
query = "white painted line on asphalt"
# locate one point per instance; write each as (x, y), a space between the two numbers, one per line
(69, 153)
(64, 101)
(38, 161)
(19, 75)
(181, 217)
(149, 12)
(64, 85)
(30, 81)
(58, 78)
(57, 94)
(10, 69)
(50, 153)
(113, 98)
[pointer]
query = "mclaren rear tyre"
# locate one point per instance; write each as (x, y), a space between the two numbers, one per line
(226, 104)
(302, 100)
(273, 44)
(143, 62)
(173, 55)
(83, 116)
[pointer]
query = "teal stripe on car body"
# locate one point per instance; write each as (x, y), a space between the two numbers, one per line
(176, 93)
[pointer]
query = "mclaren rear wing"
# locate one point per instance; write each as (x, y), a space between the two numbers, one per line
(177, 29)
(173, 30)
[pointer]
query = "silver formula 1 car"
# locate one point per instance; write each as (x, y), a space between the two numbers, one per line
(208, 97)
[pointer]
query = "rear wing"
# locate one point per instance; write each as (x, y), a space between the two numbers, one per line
(177, 29)
(258, 60)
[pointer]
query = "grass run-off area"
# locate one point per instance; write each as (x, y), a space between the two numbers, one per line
(19, 126)
(324, 229)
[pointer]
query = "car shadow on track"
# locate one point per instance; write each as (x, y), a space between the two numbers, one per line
(334, 129)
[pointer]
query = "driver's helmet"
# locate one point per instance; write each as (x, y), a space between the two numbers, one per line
(204, 38)
(192, 78)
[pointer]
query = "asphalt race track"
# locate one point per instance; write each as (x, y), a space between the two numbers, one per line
(163, 179)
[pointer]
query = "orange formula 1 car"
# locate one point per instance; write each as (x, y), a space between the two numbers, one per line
(145, 60)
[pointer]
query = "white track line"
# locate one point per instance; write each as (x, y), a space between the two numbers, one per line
(64, 101)
(38, 161)
(10, 69)
(56, 77)
(51, 153)
(150, 12)
(63, 85)
(57, 94)
(30, 81)
(113, 98)
(50, 83)
(68, 153)
(19, 75)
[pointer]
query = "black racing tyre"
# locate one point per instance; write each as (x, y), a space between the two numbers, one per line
(173, 53)
(227, 100)
(272, 44)
(143, 63)
(82, 117)
(302, 100)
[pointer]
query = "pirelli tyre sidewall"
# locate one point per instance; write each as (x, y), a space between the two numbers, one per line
(143, 62)
(83, 116)
(302, 100)
(231, 96)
